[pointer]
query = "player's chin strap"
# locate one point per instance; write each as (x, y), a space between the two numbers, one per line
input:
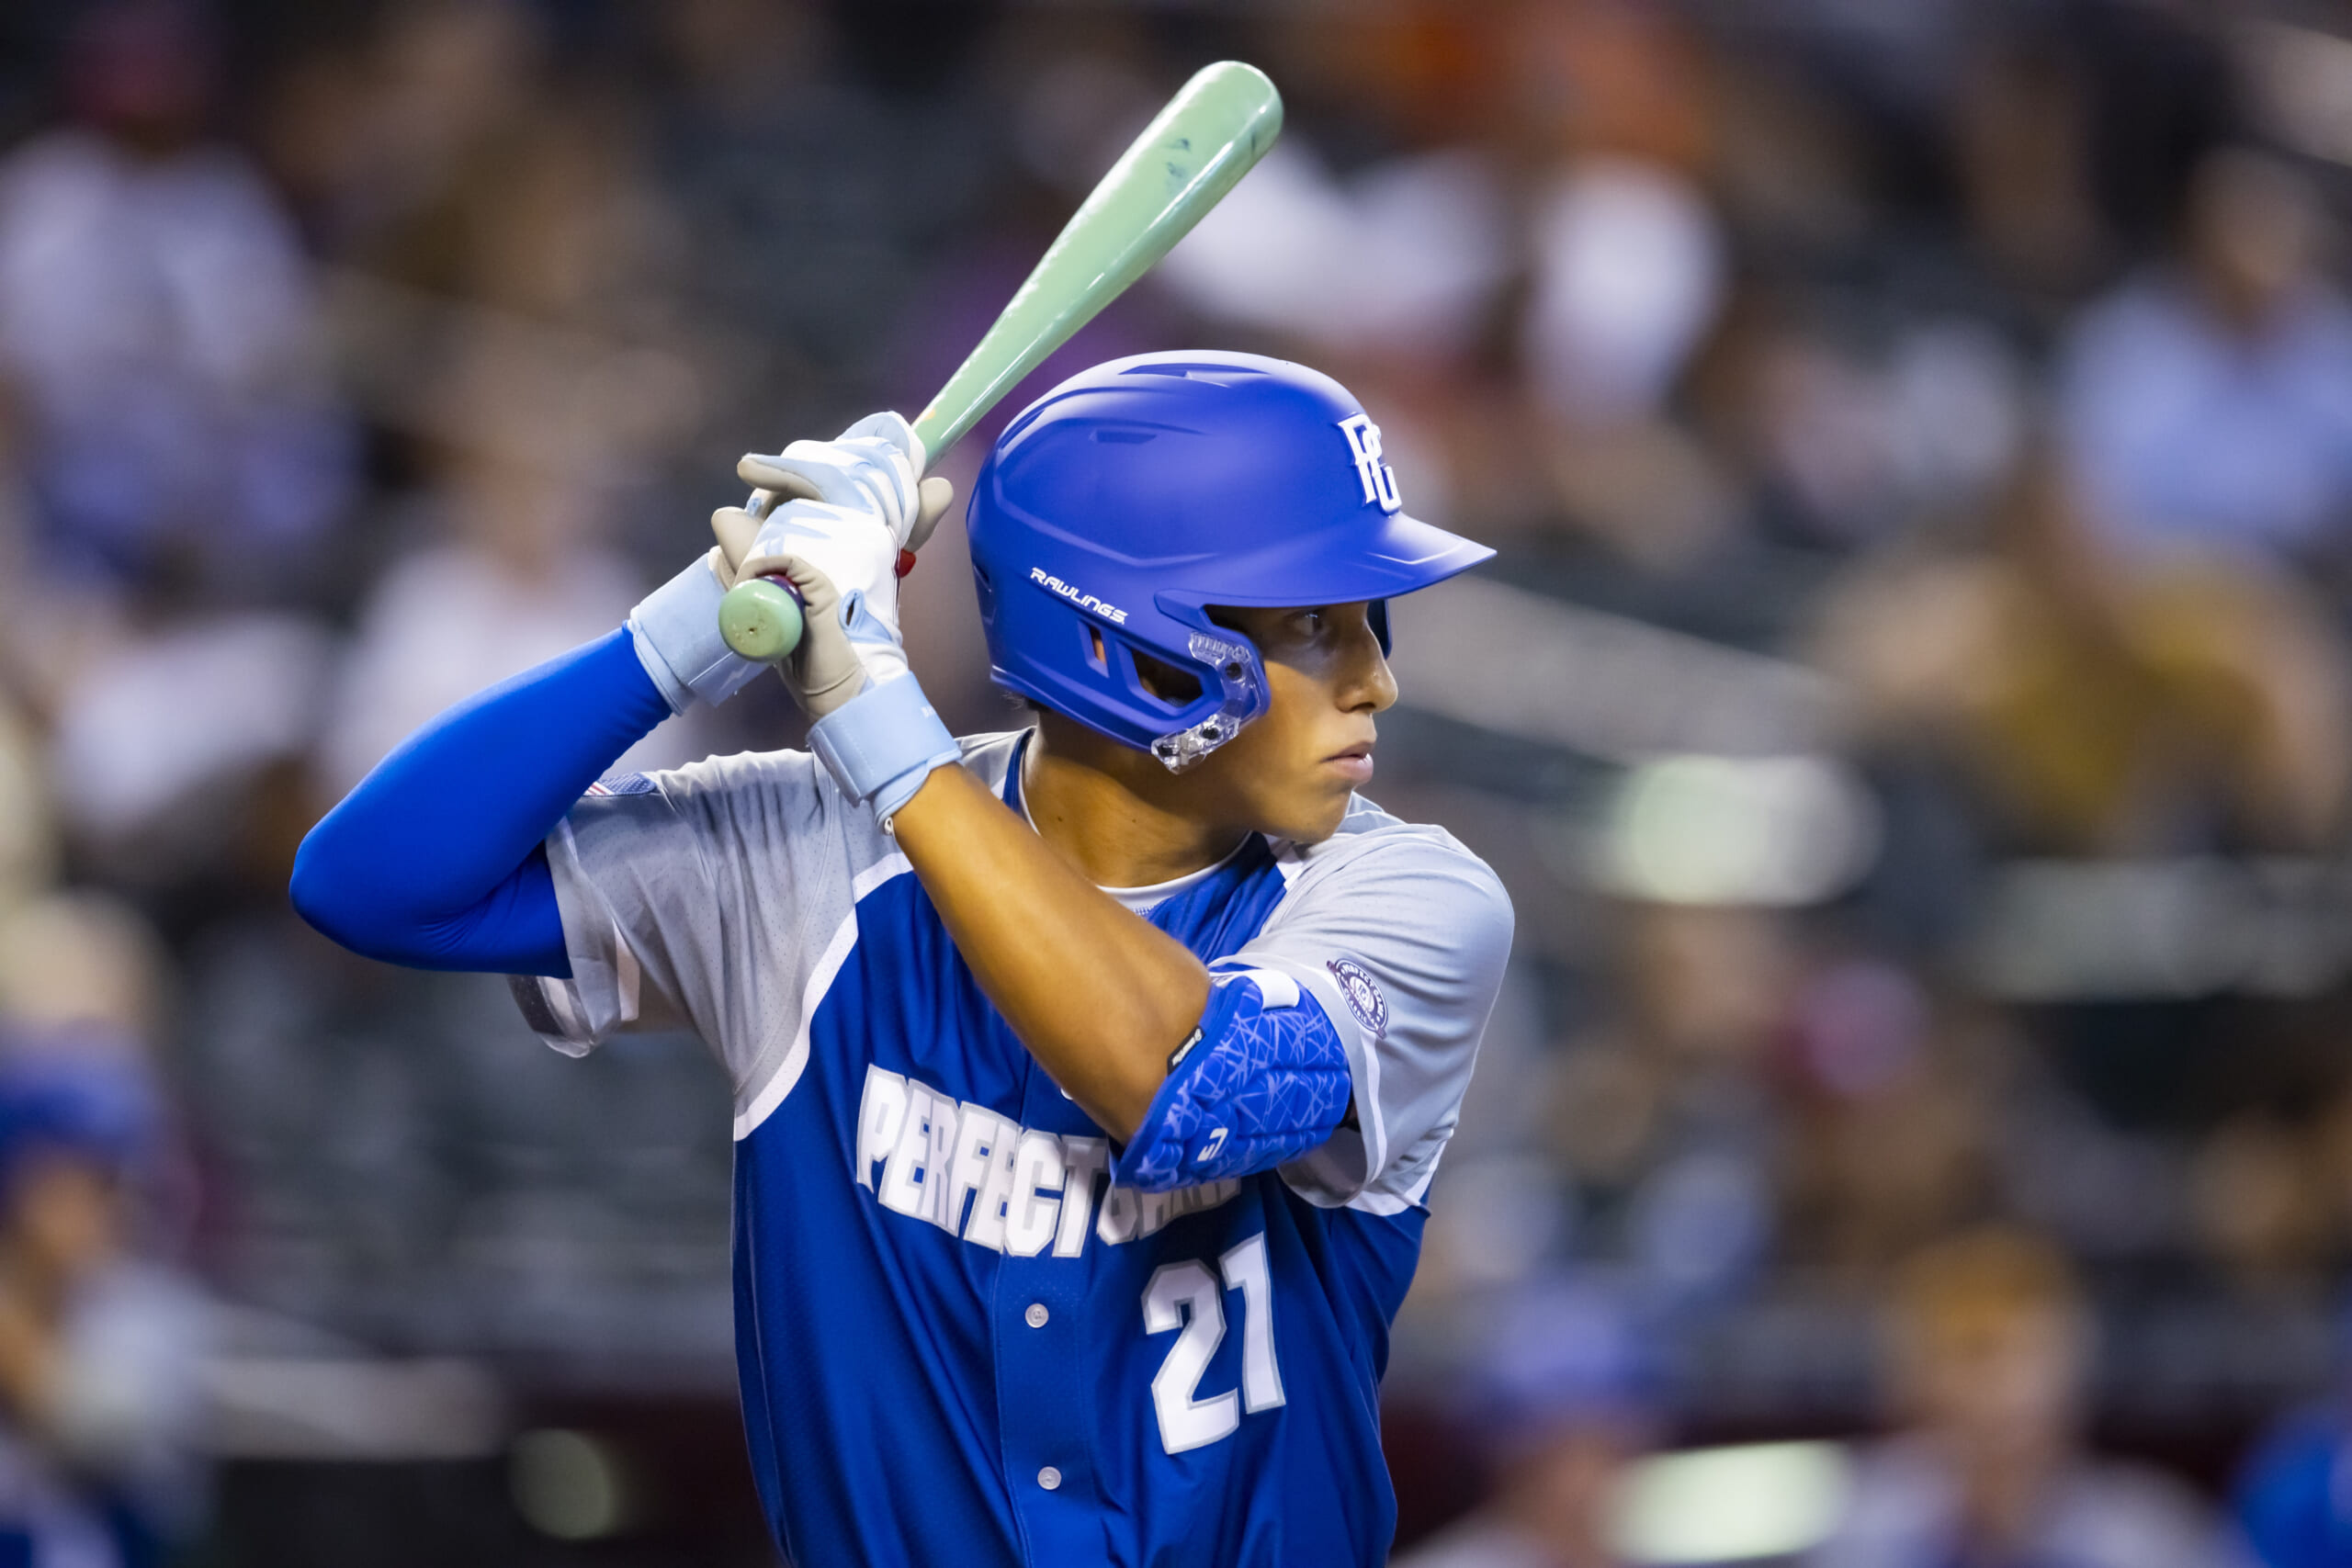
(1262, 1080)
(880, 745)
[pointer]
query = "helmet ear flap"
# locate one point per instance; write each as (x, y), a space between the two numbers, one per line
(1376, 613)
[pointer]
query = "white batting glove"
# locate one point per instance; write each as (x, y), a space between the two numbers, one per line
(849, 641)
(874, 467)
(848, 507)
(858, 505)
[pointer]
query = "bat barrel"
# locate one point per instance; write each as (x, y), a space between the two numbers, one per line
(1209, 135)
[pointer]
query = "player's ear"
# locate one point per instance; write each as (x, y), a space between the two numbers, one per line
(933, 499)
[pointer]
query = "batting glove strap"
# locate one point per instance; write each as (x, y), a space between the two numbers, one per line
(1262, 1080)
(882, 744)
(676, 628)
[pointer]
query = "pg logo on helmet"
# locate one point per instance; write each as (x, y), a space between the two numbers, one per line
(1378, 479)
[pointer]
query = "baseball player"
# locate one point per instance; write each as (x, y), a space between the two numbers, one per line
(1089, 1079)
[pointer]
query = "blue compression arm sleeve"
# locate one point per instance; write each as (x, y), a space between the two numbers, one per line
(1256, 1085)
(437, 860)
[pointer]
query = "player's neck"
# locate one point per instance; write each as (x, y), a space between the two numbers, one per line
(1114, 813)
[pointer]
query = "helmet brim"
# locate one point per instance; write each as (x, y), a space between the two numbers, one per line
(1326, 567)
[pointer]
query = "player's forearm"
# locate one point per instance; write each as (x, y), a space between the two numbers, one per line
(1100, 998)
(429, 860)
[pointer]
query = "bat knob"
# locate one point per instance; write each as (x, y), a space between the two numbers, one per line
(761, 618)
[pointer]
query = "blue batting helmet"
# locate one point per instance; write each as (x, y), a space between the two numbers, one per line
(1124, 502)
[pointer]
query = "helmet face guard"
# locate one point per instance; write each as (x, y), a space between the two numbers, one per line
(1122, 504)
(1241, 695)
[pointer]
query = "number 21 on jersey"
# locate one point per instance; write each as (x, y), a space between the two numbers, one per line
(1185, 1295)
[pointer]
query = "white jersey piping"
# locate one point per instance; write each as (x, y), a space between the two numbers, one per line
(821, 980)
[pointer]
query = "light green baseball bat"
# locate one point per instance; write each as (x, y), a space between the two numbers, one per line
(1210, 134)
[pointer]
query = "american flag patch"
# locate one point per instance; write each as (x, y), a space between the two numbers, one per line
(623, 784)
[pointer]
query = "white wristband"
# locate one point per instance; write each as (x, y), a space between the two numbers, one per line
(676, 628)
(881, 744)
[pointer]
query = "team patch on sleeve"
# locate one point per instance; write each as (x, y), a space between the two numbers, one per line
(1362, 995)
(623, 784)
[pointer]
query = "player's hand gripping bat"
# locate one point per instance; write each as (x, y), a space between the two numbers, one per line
(1210, 134)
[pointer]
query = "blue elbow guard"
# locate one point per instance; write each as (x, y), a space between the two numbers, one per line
(1262, 1080)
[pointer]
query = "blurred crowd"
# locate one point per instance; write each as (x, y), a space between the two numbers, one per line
(1911, 708)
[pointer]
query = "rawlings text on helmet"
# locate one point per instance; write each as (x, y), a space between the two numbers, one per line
(1111, 613)
(1379, 479)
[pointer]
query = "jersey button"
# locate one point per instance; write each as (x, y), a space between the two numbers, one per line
(1036, 1314)
(1049, 1478)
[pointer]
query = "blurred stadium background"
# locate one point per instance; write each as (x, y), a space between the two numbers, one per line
(1911, 710)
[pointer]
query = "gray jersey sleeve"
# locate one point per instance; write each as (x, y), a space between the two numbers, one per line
(1401, 935)
(666, 890)
(717, 897)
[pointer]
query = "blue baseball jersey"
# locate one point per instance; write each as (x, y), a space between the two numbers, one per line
(960, 1341)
